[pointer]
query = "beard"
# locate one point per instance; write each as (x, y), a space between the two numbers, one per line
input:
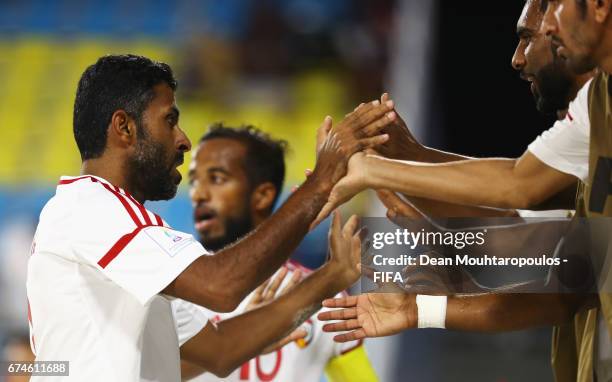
(554, 87)
(151, 168)
(235, 228)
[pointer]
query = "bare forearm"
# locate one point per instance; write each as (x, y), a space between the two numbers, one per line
(226, 278)
(432, 155)
(507, 312)
(436, 209)
(488, 182)
(243, 337)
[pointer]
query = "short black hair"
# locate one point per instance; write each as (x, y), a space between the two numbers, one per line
(265, 158)
(114, 82)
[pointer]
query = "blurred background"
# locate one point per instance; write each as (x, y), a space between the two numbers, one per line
(282, 65)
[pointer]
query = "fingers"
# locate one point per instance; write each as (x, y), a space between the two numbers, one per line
(270, 293)
(342, 326)
(370, 113)
(356, 247)
(340, 302)
(389, 198)
(384, 97)
(379, 124)
(350, 227)
(257, 295)
(367, 143)
(351, 336)
(358, 107)
(296, 335)
(398, 208)
(339, 314)
(295, 278)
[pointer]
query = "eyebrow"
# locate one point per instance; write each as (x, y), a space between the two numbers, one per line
(218, 169)
(522, 31)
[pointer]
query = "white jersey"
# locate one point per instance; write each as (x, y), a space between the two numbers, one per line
(565, 146)
(99, 262)
(304, 360)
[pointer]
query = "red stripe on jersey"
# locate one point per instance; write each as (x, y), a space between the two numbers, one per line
(125, 203)
(141, 208)
(119, 246)
(69, 181)
(159, 220)
(569, 115)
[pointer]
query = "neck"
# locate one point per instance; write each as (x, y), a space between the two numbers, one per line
(605, 63)
(114, 174)
(258, 219)
(581, 80)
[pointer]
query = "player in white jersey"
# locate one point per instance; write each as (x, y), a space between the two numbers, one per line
(236, 177)
(104, 269)
(559, 156)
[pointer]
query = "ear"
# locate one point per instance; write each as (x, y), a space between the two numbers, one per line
(263, 197)
(122, 128)
(602, 10)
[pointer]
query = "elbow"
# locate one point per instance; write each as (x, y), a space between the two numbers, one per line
(224, 303)
(222, 371)
(223, 367)
(227, 299)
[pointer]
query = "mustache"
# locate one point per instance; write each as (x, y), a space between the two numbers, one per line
(180, 159)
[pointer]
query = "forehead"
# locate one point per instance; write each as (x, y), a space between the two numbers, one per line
(219, 152)
(531, 17)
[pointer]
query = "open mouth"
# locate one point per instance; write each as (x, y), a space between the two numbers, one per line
(204, 219)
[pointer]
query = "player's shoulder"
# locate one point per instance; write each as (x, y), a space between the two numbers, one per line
(100, 203)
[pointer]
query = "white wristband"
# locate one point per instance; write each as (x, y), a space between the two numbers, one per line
(431, 311)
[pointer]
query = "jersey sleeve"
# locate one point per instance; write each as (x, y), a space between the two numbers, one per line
(565, 146)
(190, 319)
(141, 258)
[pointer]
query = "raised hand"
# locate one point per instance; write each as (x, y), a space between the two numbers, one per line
(350, 185)
(370, 315)
(358, 131)
(401, 144)
(344, 251)
(397, 208)
(269, 290)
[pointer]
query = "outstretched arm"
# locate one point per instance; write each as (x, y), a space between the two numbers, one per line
(499, 183)
(221, 281)
(402, 145)
(223, 347)
(384, 314)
